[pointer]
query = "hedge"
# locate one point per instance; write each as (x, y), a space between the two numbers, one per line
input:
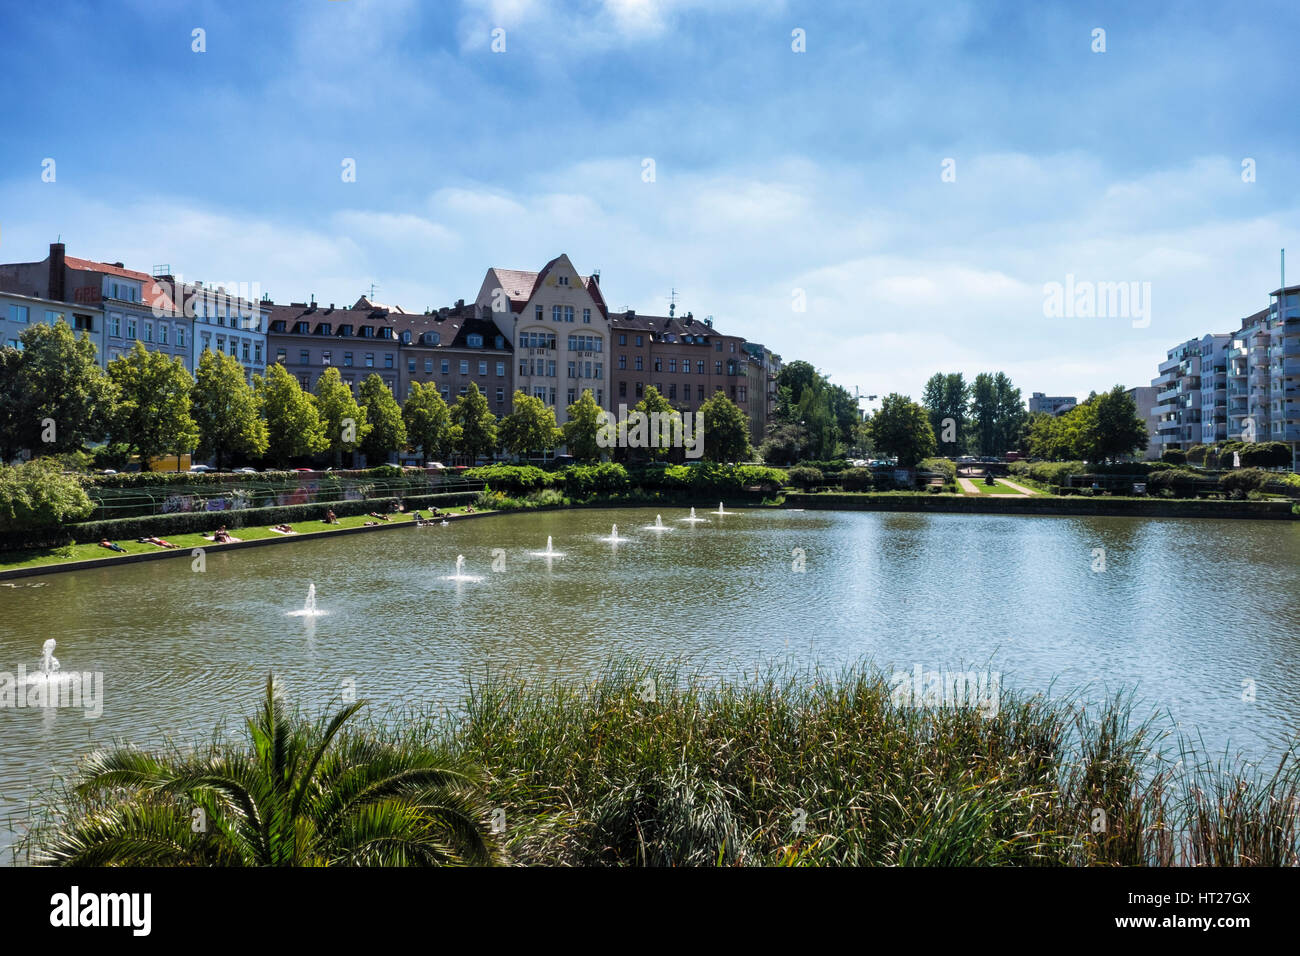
(512, 478)
(200, 522)
(583, 481)
(137, 479)
(805, 476)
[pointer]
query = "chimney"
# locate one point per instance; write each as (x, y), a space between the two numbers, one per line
(460, 303)
(595, 275)
(57, 289)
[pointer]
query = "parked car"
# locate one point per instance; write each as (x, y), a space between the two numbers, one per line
(245, 471)
(308, 470)
(435, 466)
(201, 469)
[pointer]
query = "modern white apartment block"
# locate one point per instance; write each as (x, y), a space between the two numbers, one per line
(1144, 397)
(1242, 385)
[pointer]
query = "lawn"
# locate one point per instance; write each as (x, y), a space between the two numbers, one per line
(11, 560)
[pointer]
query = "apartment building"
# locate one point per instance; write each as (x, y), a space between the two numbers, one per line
(1144, 397)
(127, 299)
(20, 312)
(559, 325)
(453, 347)
(1191, 392)
(307, 338)
(685, 359)
(225, 319)
(1051, 404)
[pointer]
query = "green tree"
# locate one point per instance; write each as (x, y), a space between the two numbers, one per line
(529, 427)
(152, 416)
(1119, 431)
(342, 418)
(947, 399)
(791, 382)
(226, 409)
(386, 430)
(39, 495)
(299, 794)
(428, 421)
(56, 397)
(293, 426)
(476, 436)
(726, 429)
(655, 408)
(582, 427)
(901, 428)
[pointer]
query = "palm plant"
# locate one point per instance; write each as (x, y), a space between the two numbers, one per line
(305, 795)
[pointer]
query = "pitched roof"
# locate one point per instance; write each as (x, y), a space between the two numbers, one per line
(110, 268)
(521, 285)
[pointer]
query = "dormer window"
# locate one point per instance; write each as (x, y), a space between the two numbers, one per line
(499, 342)
(431, 338)
(323, 328)
(302, 328)
(406, 337)
(475, 341)
(345, 330)
(562, 280)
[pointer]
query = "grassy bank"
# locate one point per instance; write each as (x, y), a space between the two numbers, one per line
(68, 554)
(1108, 505)
(646, 765)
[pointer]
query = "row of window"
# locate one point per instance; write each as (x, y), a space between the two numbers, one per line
(411, 364)
(561, 313)
(234, 347)
(547, 368)
(671, 337)
(548, 395)
(686, 391)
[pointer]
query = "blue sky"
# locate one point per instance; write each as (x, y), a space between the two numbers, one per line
(775, 171)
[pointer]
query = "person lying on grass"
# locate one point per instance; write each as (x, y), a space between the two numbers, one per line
(105, 543)
(283, 529)
(376, 514)
(160, 542)
(221, 536)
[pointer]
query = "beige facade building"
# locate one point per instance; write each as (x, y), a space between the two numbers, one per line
(560, 329)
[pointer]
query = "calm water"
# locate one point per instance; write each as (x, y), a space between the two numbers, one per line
(1185, 611)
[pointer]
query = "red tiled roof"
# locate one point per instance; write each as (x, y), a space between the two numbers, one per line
(86, 265)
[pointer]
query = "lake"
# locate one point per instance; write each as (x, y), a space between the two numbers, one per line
(1188, 612)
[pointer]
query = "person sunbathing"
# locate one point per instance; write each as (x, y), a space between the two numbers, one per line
(158, 541)
(283, 529)
(222, 536)
(376, 514)
(331, 517)
(369, 524)
(105, 543)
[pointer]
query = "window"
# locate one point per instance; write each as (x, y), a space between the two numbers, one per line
(552, 399)
(303, 356)
(53, 317)
(562, 280)
(717, 368)
(370, 360)
(550, 369)
(638, 363)
(699, 367)
(538, 313)
(523, 366)
(557, 313)
(347, 359)
(326, 357)
(573, 371)
(257, 353)
(475, 341)
(699, 392)
(586, 316)
(672, 365)
(600, 396)
(717, 346)
(586, 369)
(622, 389)
(464, 366)
(410, 365)
(639, 390)
(600, 370)
(672, 390)
(539, 392)
(482, 368)
(19, 313)
(114, 323)
(639, 341)
(622, 340)
(388, 360)
(742, 393)
(622, 361)
(686, 366)
(501, 396)
(659, 365)
(568, 313)
(281, 356)
(162, 335)
(499, 342)
(130, 327)
(446, 366)
(428, 366)
(245, 351)
(446, 394)
(501, 369)
(571, 396)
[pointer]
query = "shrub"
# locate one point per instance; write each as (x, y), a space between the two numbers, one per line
(1242, 482)
(585, 481)
(805, 477)
(38, 495)
(856, 479)
(1048, 472)
(1196, 454)
(514, 479)
(1175, 482)
(1174, 457)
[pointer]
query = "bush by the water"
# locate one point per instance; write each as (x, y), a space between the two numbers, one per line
(38, 495)
(514, 479)
(707, 771)
(803, 476)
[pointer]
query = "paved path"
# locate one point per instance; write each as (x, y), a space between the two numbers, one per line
(968, 486)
